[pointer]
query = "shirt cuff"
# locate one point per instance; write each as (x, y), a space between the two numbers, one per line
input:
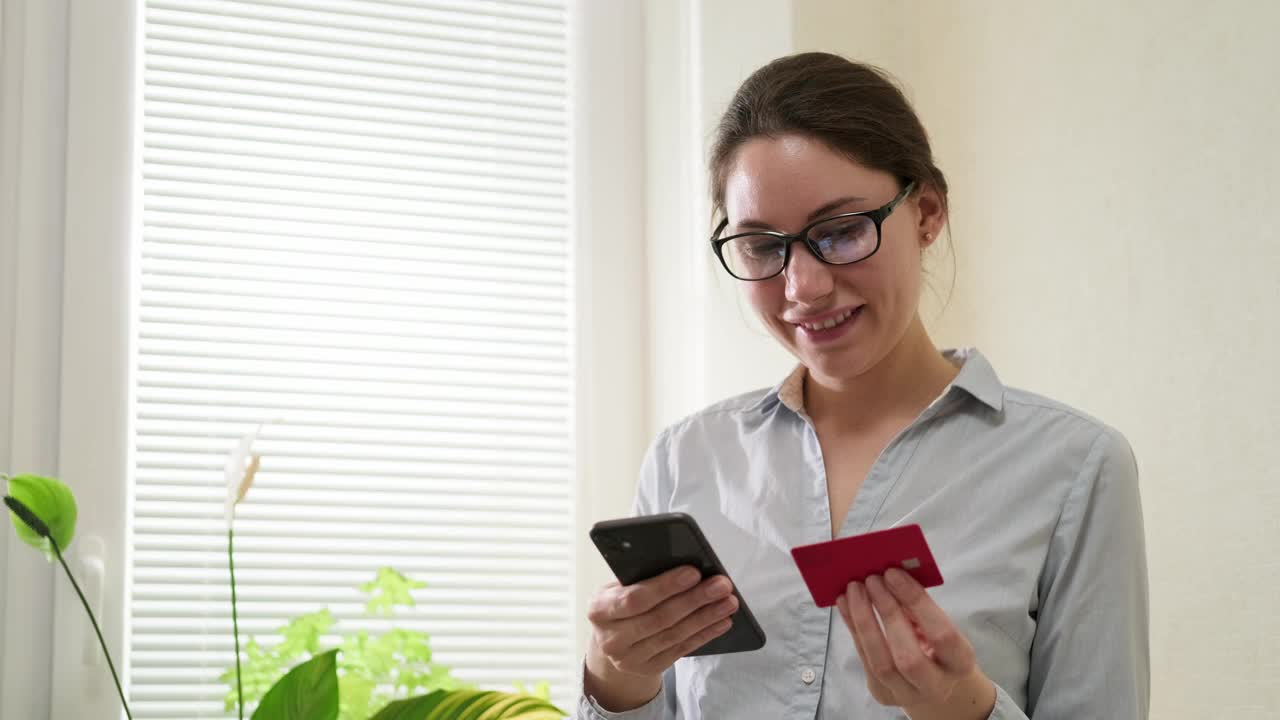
(1006, 708)
(589, 709)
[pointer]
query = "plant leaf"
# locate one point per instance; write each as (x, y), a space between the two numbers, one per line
(303, 633)
(415, 708)
(523, 707)
(388, 590)
(542, 690)
(470, 705)
(262, 668)
(307, 692)
(355, 695)
(49, 500)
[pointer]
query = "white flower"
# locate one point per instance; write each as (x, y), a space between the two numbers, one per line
(242, 466)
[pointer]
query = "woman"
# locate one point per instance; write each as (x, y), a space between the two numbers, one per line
(830, 196)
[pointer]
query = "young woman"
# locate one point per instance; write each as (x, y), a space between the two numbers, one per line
(829, 195)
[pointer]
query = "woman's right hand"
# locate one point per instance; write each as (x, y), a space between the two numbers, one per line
(640, 630)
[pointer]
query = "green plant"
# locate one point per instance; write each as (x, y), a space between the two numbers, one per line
(310, 691)
(43, 513)
(477, 704)
(372, 669)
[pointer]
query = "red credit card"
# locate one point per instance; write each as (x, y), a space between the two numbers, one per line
(829, 567)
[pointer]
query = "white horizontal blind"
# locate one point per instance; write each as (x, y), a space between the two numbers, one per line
(355, 218)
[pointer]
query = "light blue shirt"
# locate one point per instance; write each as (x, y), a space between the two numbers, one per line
(1031, 509)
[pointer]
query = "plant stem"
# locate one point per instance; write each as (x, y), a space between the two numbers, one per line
(96, 629)
(235, 622)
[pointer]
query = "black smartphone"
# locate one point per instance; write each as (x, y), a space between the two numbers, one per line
(639, 548)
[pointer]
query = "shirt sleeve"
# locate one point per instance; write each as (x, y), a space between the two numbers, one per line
(1090, 656)
(654, 486)
(661, 707)
(1006, 708)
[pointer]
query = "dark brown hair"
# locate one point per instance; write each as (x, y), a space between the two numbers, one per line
(855, 109)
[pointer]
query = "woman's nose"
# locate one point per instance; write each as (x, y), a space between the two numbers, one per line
(808, 278)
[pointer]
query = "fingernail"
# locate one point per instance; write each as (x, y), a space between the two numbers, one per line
(690, 577)
(898, 579)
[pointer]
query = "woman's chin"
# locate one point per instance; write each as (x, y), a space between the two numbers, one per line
(834, 365)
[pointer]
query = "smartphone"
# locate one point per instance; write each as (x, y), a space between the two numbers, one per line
(643, 547)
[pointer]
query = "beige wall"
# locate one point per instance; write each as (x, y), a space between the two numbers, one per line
(1116, 172)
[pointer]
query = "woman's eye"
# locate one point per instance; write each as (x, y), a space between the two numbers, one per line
(843, 233)
(767, 248)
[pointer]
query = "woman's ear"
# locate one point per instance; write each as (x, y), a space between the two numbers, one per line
(933, 215)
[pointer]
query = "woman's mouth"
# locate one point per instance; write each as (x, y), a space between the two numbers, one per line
(832, 327)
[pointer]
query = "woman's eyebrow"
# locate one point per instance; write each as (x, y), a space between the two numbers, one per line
(817, 213)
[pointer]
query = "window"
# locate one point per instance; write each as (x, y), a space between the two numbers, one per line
(354, 219)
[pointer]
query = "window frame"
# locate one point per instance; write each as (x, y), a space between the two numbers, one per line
(100, 275)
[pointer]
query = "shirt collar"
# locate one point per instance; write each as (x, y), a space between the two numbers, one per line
(976, 377)
(791, 391)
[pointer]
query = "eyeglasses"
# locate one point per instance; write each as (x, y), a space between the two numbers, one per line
(837, 240)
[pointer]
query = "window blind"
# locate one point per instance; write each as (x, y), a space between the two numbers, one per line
(354, 220)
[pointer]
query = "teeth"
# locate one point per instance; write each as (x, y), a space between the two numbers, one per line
(829, 323)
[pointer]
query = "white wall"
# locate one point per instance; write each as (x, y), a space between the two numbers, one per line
(1114, 170)
(704, 344)
(666, 334)
(609, 217)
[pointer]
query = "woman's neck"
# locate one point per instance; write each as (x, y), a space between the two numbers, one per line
(902, 384)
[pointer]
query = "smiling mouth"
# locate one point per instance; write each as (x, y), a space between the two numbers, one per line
(831, 321)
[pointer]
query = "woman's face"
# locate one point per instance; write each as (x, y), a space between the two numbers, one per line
(786, 183)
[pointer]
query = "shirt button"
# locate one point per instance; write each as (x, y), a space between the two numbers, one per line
(808, 676)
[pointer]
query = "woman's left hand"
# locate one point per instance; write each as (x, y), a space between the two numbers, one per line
(919, 660)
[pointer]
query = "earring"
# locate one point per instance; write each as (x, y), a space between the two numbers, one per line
(928, 237)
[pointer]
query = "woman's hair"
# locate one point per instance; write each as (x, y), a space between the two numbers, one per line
(855, 109)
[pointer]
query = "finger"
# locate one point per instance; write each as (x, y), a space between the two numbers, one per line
(904, 645)
(632, 631)
(925, 647)
(879, 690)
(599, 603)
(842, 604)
(640, 598)
(951, 648)
(665, 660)
(878, 660)
(689, 626)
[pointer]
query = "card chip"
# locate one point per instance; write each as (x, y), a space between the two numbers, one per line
(911, 563)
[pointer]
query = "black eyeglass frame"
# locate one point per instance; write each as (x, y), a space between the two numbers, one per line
(877, 216)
